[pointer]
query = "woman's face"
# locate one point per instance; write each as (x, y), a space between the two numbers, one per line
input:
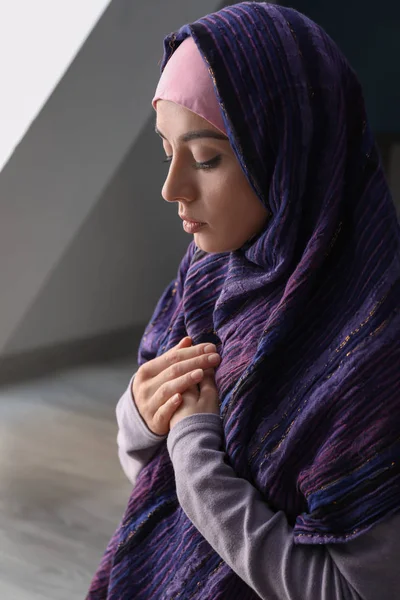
(206, 181)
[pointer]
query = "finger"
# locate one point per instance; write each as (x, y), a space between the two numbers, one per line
(186, 352)
(204, 361)
(164, 414)
(207, 385)
(208, 396)
(175, 355)
(191, 395)
(176, 386)
(209, 374)
(184, 367)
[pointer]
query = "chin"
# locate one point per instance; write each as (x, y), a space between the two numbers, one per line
(211, 248)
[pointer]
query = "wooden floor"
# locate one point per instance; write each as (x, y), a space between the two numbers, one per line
(62, 490)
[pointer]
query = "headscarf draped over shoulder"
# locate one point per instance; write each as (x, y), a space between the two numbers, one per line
(305, 317)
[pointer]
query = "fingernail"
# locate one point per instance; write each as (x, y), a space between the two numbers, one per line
(213, 359)
(210, 348)
(197, 374)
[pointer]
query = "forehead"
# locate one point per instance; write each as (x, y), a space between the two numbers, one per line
(174, 120)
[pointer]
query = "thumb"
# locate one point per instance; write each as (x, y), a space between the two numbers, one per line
(185, 342)
(207, 384)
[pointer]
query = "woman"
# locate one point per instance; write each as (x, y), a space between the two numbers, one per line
(272, 472)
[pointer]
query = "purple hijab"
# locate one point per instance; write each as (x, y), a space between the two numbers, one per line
(305, 316)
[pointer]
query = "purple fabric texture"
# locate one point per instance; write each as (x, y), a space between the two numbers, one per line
(305, 316)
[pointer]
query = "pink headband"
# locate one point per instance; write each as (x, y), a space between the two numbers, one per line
(186, 81)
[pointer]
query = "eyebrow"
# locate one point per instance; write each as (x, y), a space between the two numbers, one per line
(195, 135)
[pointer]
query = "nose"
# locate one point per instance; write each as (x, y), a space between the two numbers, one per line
(178, 184)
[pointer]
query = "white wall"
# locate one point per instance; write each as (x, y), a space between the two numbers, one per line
(38, 40)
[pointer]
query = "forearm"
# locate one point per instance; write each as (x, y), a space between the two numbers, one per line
(253, 540)
(136, 443)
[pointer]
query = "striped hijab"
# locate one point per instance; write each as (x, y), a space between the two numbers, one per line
(305, 316)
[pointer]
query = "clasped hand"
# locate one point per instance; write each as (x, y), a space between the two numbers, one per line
(177, 384)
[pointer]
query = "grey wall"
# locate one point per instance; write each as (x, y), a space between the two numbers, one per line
(121, 257)
(86, 242)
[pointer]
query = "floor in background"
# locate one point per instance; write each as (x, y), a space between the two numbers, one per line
(62, 490)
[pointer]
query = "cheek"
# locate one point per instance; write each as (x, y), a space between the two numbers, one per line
(231, 201)
(245, 213)
(235, 196)
(225, 192)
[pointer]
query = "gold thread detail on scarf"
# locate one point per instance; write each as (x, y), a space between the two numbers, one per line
(346, 536)
(202, 562)
(338, 349)
(362, 324)
(134, 531)
(201, 583)
(361, 466)
(334, 239)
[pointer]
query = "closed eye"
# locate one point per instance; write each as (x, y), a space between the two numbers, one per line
(209, 164)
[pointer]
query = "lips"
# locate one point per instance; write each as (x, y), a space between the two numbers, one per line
(191, 220)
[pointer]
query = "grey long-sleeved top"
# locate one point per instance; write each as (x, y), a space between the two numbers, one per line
(254, 541)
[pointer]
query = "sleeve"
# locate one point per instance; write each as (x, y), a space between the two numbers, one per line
(258, 544)
(136, 443)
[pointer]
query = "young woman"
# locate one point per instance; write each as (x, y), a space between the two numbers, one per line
(271, 471)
